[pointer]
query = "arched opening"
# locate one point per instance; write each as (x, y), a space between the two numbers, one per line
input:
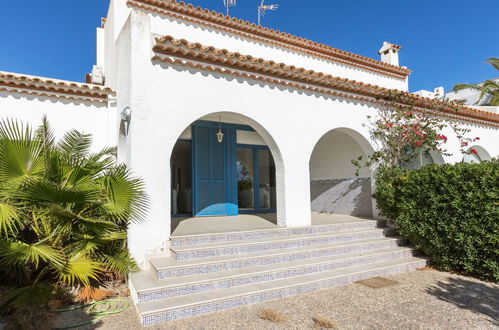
(476, 154)
(225, 170)
(334, 186)
(425, 158)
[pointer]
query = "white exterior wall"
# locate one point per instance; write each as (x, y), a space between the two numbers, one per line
(63, 115)
(165, 100)
(331, 158)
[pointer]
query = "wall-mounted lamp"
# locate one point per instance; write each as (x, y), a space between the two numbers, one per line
(126, 116)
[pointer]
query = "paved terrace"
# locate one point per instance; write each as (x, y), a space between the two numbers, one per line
(206, 225)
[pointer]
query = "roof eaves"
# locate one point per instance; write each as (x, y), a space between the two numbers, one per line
(258, 32)
(36, 85)
(273, 72)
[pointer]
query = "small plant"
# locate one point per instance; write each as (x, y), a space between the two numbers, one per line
(323, 322)
(272, 315)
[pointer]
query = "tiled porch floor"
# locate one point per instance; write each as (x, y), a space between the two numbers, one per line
(243, 222)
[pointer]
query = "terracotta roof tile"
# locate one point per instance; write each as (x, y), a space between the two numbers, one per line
(220, 21)
(28, 84)
(180, 51)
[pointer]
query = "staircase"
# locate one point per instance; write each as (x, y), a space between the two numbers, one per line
(212, 272)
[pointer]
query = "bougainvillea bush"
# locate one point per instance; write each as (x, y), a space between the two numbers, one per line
(401, 131)
(450, 212)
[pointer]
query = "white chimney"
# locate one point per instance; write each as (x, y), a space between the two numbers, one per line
(439, 92)
(97, 76)
(389, 53)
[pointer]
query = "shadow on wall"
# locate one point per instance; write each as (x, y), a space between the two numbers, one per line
(351, 196)
(477, 297)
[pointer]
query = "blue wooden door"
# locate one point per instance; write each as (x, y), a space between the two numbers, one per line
(210, 172)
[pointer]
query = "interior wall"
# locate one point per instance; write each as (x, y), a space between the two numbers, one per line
(334, 187)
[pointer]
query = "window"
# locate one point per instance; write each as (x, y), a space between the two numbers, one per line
(256, 181)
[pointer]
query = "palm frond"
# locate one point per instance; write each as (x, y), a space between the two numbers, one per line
(44, 190)
(10, 219)
(45, 134)
(458, 87)
(79, 270)
(105, 155)
(121, 263)
(21, 155)
(86, 244)
(75, 145)
(113, 235)
(494, 61)
(64, 215)
(19, 253)
(126, 198)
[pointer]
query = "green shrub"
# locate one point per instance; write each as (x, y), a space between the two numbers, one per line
(450, 212)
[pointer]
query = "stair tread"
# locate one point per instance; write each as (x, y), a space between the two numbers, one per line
(147, 281)
(215, 245)
(205, 297)
(336, 224)
(170, 262)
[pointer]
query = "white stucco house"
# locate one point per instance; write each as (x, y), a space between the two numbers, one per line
(468, 97)
(244, 136)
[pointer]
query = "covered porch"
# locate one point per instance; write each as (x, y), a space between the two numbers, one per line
(184, 226)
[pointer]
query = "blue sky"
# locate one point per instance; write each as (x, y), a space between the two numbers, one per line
(445, 41)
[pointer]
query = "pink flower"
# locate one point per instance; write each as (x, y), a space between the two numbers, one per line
(408, 113)
(443, 137)
(388, 124)
(418, 143)
(477, 138)
(473, 151)
(416, 132)
(464, 144)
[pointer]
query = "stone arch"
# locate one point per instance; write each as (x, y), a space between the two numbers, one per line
(260, 137)
(437, 157)
(481, 155)
(334, 186)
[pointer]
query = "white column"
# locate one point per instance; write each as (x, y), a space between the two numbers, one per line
(149, 148)
(294, 193)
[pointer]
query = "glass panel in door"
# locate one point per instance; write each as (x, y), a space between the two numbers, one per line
(245, 179)
(267, 182)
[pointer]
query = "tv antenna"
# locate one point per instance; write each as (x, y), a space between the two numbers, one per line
(228, 4)
(263, 7)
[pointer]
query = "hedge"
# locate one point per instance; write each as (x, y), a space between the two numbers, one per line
(450, 212)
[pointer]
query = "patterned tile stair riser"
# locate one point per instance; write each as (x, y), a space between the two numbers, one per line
(285, 232)
(286, 257)
(173, 314)
(299, 242)
(270, 275)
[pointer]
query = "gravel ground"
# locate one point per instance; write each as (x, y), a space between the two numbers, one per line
(425, 299)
